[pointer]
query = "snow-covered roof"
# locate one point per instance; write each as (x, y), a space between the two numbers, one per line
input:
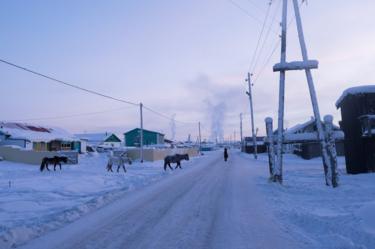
(144, 130)
(300, 127)
(35, 133)
(355, 91)
(96, 137)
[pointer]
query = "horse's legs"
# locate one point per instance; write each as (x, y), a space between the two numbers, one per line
(123, 166)
(60, 165)
(178, 165)
(165, 166)
(47, 166)
(169, 165)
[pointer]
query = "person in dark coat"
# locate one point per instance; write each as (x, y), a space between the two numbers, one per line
(225, 154)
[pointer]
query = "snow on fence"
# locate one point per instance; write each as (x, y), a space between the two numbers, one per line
(33, 157)
(159, 154)
(329, 162)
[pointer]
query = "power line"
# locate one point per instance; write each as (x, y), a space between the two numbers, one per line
(255, 5)
(167, 117)
(260, 37)
(68, 116)
(245, 11)
(67, 84)
(85, 90)
(277, 44)
(266, 37)
(267, 62)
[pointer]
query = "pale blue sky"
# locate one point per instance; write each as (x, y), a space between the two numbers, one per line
(176, 56)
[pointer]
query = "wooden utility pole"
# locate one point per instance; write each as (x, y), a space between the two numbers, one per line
(141, 131)
(249, 93)
(200, 137)
(314, 100)
(280, 124)
(241, 134)
(306, 65)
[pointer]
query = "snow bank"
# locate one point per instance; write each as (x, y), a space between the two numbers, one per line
(329, 218)
(355, 91)
(34, 202)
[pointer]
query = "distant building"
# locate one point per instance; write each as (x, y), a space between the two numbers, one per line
(133, 137)
(358, 123)
(37, 138)
(105, 139)
(310, 149)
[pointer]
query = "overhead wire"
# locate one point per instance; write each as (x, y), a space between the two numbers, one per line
(68, 116)
(260, 37)
(255, 5)
(67, 84)
(275, 47)
(167, 117)
(266, 36)
(246, 12)
(87, 91)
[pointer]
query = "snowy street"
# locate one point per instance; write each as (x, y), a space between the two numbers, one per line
(212, 205)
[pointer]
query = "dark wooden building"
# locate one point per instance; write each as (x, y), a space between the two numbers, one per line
(358, 123)
(248, 145)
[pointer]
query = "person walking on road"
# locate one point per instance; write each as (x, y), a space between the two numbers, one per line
(225, 154)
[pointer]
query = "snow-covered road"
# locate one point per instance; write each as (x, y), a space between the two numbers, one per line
(212, 205)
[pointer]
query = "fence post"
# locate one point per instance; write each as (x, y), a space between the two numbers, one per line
(271, 148)
(331, 149)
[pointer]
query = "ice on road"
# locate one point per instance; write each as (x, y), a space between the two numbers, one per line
(211, 205)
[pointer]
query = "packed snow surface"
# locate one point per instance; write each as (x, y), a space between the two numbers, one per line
(34, 202)
(207, 204)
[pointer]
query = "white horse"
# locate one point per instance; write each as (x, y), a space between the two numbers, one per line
(119, 160)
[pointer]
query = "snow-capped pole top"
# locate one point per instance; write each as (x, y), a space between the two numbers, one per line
(355, 91)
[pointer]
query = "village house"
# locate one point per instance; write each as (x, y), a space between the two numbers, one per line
(105, 140)
(310, 149)
(133, 137)
(37, 138)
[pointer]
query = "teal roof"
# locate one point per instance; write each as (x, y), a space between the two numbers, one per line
(144, 130)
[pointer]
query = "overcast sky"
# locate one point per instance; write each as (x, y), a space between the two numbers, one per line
(187, 58)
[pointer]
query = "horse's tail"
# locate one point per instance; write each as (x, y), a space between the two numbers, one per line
(43, 164)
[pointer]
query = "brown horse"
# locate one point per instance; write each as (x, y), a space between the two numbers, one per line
(56, 160)
(175, 159)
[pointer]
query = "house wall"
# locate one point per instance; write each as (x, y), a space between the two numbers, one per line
(357, 156)
(112, 144)
(17, 142)
(132, 138)
(40, 146)
(33, 157)
(312, 150)
(83, 146)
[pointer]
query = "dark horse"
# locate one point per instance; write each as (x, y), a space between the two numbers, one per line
(56, 160)
(175, 159)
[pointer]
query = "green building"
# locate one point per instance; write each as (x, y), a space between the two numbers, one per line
(133, 137)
